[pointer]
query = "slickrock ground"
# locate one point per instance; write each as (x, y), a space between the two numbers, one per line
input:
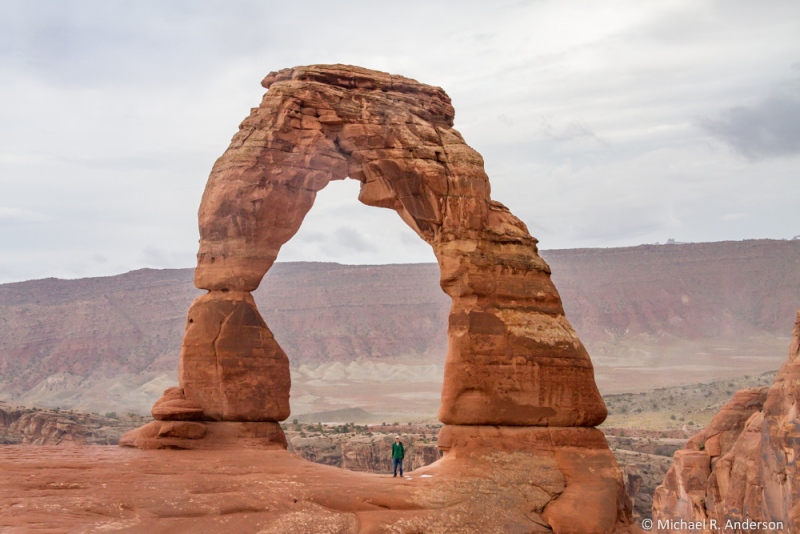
(743, 466)
(102, 489)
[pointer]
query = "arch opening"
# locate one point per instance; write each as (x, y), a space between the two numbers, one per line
(339, 228)
(357, 334)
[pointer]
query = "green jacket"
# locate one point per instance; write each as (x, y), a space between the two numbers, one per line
(397, 450)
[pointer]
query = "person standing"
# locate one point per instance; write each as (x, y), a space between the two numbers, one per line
(398, 453)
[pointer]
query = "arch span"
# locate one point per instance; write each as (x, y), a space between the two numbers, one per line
(513, 359)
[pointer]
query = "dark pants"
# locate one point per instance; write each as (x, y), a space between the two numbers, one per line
(398, 462)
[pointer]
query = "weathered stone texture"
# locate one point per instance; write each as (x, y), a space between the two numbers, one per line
(230, 363)
(743, 466)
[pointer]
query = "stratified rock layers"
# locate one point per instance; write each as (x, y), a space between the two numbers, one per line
(513, 358)
(743, 466)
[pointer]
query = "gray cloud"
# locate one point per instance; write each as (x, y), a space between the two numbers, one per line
(769, 128)
(157, 257)
(12, 215)
(351, 239)
(411, 239)
(114, 112)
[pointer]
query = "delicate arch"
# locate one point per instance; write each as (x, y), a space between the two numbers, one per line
(512, 359)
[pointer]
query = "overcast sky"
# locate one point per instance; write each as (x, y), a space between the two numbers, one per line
(602, 124)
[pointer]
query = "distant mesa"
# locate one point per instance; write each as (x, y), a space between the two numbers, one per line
(344, 415)
(122, 334)
(516, 376)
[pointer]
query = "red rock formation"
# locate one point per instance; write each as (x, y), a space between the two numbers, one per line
(55, 427)
(579, 485)
(743, 466)
(513, 360)
(41, 428)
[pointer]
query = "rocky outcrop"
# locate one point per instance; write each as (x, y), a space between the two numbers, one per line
(516, 378)
(575, 482)
(8, 415)
(721, 434)
(37, 428)
(743, 466)
(34, 426)
(513, 358)
(206, 435)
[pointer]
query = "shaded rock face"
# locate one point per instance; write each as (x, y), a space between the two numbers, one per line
(8, 416)
(231, 366)
(513, 358)
(743, 466)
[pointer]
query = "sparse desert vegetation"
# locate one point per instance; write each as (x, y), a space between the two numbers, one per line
(686, 408)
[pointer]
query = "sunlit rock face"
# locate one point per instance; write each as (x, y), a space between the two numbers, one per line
(743, 466)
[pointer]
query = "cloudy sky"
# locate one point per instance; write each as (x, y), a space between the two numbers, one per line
(602, 124)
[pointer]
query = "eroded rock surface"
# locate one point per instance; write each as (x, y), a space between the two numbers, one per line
(743, 466)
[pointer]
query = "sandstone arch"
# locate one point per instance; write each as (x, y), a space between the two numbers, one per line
(513, 358)
(519, 397)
